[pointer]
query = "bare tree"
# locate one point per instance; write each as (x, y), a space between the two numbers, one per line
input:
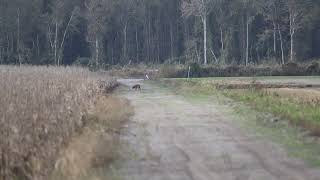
(296, 12)
(199, 8)
(222, 16)
(127, 12)
(56, 20)
(273, 13)
(270, 14)
(251, 8)
(96, 17)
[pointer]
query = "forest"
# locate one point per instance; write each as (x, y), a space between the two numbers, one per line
(112, 32)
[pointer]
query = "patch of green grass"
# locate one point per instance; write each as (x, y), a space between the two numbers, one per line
(292, 138)
(304, 115)
(254, 111)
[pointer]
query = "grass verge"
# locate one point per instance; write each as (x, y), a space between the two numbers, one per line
(306, 115)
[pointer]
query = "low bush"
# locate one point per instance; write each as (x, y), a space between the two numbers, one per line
(291, 69)
(314, 68)
(83, 61)
(195, 70)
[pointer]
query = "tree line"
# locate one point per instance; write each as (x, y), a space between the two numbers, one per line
(110, 32)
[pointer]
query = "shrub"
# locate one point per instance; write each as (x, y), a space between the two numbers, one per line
(291, 69)
(171, 71)
(314, 68)
(83, 61)
(195, 70)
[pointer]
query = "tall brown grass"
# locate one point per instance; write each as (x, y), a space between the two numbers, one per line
(41, 108)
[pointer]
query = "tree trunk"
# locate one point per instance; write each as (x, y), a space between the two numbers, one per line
(292, 32)
(281, 45)
(38, 47)
(60, 51)
(247, 48)
(204, 20)
(274, 39)
(1, 59)
(56, 43)
(171, 43)
(148, 38)
(158, 49)
(222, 55)
(8, 48)
(51, 43)
(198, 56)
(125, 42)
(214, 55)
(112, 55)
(291, 48)
(137, 45)
(97, 51)
(18, 38)
(243, 42)
(221, 39)
(12, 44)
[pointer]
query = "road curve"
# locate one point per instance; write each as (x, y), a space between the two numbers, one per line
(175, 139)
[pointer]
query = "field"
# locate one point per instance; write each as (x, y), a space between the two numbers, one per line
(43, 109)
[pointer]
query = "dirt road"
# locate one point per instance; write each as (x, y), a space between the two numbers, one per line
(175, 139)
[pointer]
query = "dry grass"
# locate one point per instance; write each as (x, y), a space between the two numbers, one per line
(304, 96)
(41, 109)
(98, 145)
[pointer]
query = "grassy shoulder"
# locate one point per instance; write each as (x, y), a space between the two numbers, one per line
(282, 119)
(306, 115)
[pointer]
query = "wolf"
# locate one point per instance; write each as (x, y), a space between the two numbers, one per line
(136, 87)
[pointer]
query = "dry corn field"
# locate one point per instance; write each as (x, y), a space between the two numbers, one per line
(41, 109)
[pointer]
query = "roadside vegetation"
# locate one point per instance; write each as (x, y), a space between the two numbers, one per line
(300, 111)
(290, 116)
(196, 70)
(42, 109)
(298, 103)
